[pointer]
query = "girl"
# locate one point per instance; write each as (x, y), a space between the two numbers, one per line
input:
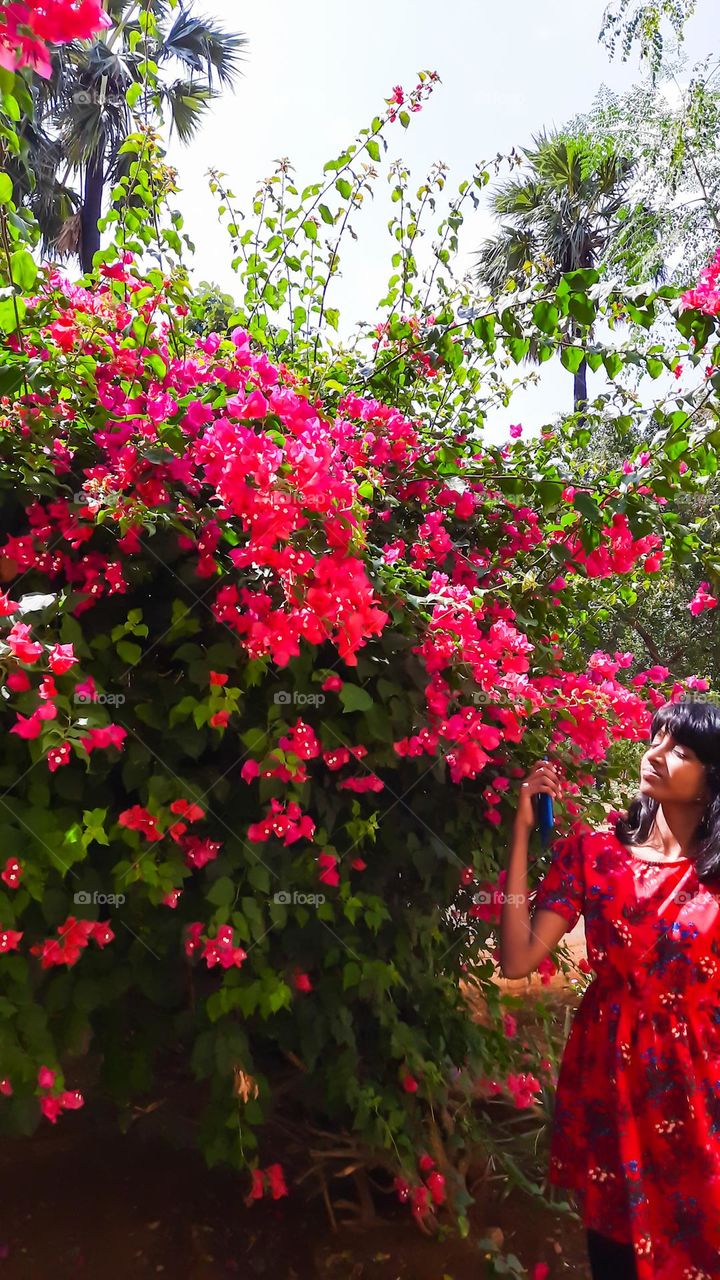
(636, 1130)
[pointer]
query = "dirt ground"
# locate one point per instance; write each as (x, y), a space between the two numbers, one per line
(84, 1201)
(80, 1202)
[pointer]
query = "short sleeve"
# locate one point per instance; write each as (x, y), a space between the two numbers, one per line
(562, 888)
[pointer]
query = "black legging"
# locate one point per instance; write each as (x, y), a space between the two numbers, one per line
(610, 1260)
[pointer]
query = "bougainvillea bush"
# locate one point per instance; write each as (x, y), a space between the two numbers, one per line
(278, 639)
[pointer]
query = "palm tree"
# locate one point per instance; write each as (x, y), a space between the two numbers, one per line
(558, 218)
(82, 117)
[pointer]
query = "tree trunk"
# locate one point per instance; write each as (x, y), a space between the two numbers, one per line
(91, 210)
(580, 387)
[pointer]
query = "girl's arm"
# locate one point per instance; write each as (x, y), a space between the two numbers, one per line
(524, 943)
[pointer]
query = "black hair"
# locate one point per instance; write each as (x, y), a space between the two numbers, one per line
(693, 723)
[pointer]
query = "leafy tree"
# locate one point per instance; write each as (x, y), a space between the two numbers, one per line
(654, 620)
(559, 217)
(672, 131)
(630, 22)
(97, 93)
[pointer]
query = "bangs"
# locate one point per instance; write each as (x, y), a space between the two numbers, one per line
(694, 724)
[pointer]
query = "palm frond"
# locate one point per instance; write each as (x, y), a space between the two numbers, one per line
(504, 256)
(205, 48)
(187, 101)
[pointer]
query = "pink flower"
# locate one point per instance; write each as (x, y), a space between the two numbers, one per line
(28, 728)
(523, 1087)
(9, 939)
(333, 684)
(256, 406)
(198, 853)
(409, 1083)
(702, 600)
(18, 681)
(276, 1180)
(516, 430)
(327, 864)
(302, 982)
(71, 1100)
(46, 1078)
(509, 1025)
(138, 819)
(12, 873)
(61, 658)
(188, 810)
(547, 970)
(541, 1271)
(18, 640)
(221, 950)
(51, 1108)
(436, 1186)
(419, 1200)
(58, 756)
(706, 296)
(193, 935)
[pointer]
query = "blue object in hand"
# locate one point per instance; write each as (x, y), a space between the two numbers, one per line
(546, 820)
(544, 812)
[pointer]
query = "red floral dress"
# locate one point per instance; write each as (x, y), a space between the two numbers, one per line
(636, 1130)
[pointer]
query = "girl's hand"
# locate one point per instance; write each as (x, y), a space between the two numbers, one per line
(543, 776)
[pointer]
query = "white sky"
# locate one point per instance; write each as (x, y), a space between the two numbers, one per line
(318, 72)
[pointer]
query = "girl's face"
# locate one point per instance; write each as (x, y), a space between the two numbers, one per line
(672, 772)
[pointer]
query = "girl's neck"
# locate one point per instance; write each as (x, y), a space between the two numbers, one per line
(674, 830)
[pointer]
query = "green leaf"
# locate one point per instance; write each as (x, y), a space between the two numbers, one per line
(259, 877)
(354, 698)
(588, 507)
(344, 187)
(571, 358)
(518, 348)
(613, 363)
(310, 229)
(129, 652)
(23, 269)
(546, 316)
(11, 377)
(6, 188)
(11, 310)
(222, 892)
(373, 150)
(582, 308)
